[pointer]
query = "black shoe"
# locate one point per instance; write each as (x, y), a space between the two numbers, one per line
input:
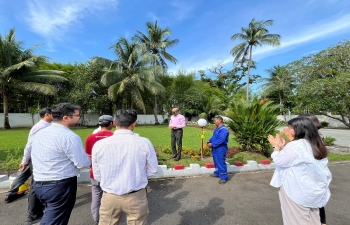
(222, 181)
(177, 159)
(212, 175)
(174, 156)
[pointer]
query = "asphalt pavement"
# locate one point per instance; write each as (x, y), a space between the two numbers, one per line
(246, 199)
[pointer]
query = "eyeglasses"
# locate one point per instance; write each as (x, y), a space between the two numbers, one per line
(79, 115)
(174, 112)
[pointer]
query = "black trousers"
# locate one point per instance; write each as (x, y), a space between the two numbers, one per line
(35, 208)
(58, 198)
(323, 215)
(176, 139)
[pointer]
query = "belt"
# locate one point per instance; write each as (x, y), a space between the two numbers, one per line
(131, 192)
(55, 181)
(178, 129)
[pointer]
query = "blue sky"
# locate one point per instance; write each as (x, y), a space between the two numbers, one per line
(76, 30)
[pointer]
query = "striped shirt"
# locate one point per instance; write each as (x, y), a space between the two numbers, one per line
(57, 153)
(35, 129)
(122, 162)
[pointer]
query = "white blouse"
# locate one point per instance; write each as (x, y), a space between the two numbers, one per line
(304, 178)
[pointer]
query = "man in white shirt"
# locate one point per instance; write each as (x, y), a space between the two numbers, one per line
(57, 157)
(35, 208)
(122, 163)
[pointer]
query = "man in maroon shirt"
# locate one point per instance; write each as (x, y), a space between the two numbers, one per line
(106, 123)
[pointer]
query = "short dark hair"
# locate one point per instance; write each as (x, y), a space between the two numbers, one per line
(219, 117)
(125, 117)
(304, 128)
(43, 111)
(63, 109)
(313, 118)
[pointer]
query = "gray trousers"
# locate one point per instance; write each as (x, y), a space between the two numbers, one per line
(176, 138)
(96, 195)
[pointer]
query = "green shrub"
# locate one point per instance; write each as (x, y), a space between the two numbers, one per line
(252, 122)
(12, 161)
(202, 116)
(245, 156)
(329, 140)
(166, 121)
(324, 124)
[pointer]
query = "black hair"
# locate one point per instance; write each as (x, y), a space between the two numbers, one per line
(43, 111)
(105, 124)
(63, 109)
(304, 128)
(125, 117)
(219, 117)
(313, 118)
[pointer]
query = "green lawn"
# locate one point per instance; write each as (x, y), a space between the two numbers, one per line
(159, 136)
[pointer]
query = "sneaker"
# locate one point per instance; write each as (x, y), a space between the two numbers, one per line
(222, 181)
(212, 175)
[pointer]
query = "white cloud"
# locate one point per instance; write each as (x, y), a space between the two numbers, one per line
(322, 30)
(54, 19)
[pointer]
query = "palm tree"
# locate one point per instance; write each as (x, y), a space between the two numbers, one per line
(130, 74)
(278, 81)
(256, 34)
(156, 41)
(17, 72)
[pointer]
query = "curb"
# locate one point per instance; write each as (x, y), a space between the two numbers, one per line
(178, 171)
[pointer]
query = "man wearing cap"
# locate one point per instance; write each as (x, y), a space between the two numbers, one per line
(218, 142)
(177, 122)
(122, 163)
(106, 124)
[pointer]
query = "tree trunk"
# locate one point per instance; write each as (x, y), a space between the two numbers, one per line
(248, 76)
(282, 106)
(155, 111)
(6, 110)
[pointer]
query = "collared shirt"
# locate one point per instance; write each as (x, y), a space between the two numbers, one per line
(91, 140)
(57, 153)
(220, 137)
(178, 121)
(122, 162)
(41, 124)
(304, 178)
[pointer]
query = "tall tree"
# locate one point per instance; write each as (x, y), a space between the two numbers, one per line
(156, 42)
(280, 82)
(256, 34)
(130, 74)
(17, 72)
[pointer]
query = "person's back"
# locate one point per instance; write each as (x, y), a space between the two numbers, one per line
(122, 163)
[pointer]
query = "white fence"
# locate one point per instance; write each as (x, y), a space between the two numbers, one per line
(25, 119)
(331, 122)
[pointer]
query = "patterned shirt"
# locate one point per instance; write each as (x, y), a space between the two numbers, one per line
(35, 129)
(122, 162)
(57, 153)
(177, 121)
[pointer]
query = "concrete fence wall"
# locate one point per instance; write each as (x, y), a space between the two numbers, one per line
(332, 122)
(25, 119)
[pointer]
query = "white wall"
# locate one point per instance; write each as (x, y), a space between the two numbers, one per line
(332, 122)
(25, 119)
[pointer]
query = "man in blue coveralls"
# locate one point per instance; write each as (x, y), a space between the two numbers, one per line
(218, 142)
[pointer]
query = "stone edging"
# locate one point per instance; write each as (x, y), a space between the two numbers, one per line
(164, 172)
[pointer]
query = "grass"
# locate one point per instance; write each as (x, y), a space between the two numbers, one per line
(158, 135)
(333, 157)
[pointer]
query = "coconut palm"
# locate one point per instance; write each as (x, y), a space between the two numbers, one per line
(278, 81)
(17, 72)
(156, 42)
(130, 74)
(256, 34)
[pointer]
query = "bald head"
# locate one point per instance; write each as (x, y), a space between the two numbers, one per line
(175, 111)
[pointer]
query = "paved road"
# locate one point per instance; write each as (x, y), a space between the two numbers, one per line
(247, 199)
(342, 136)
